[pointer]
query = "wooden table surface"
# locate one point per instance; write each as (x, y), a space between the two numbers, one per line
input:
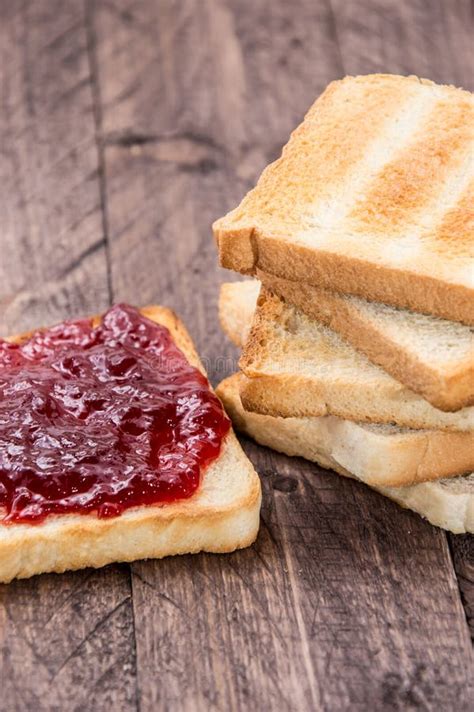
(125, 129)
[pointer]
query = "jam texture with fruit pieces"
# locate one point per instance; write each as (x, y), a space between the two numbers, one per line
(98, 419)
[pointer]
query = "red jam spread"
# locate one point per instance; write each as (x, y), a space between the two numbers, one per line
(102, 418)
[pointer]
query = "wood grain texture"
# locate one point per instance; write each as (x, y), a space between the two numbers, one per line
(126, 128)
(462, 550)
(335, 607)
(66, 642)
(184, 142)
(430, 39)
(53, 259)
(345, 602)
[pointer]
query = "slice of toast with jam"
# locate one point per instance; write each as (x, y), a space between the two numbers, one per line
(113, 447)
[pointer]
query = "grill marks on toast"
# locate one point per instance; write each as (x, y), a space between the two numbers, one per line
(370, 197)
(434, 157)
(362, 173)
(455, 230)
(392, 206)
(341, 147)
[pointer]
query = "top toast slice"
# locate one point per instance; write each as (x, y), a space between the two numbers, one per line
(222, 515)
(372, 196)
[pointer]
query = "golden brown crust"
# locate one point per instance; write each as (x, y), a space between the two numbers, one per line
(398, 459)
(457, 227)
(449, 390)
(148, 532)
(246, 251)
(296, 368)
(218, 518)
(375, 208)
(412, 181)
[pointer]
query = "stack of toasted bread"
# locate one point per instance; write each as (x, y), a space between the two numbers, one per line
(358, 351)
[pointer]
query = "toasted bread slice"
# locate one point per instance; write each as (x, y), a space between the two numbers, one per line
(222, 516)
(372, 196)
(431, 356)
(299, 367)
(372, 454)
(390, 456)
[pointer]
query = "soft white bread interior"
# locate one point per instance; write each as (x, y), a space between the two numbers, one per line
(433, 357)
(222, 516)
(299, 367)
(372, 196)
(237, 304)
(363, 452)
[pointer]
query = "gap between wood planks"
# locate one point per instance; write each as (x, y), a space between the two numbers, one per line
(97, 115)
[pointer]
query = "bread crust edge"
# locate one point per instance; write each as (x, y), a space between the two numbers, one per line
(434, 454)
(246, 250)
(79, 541)
(449, 391)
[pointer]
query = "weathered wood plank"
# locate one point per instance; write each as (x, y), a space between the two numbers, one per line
(346, 601)
(182, 147)
(66, 642)
(462, 549)
(430, 39)
(52, 238)
(328, 610)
